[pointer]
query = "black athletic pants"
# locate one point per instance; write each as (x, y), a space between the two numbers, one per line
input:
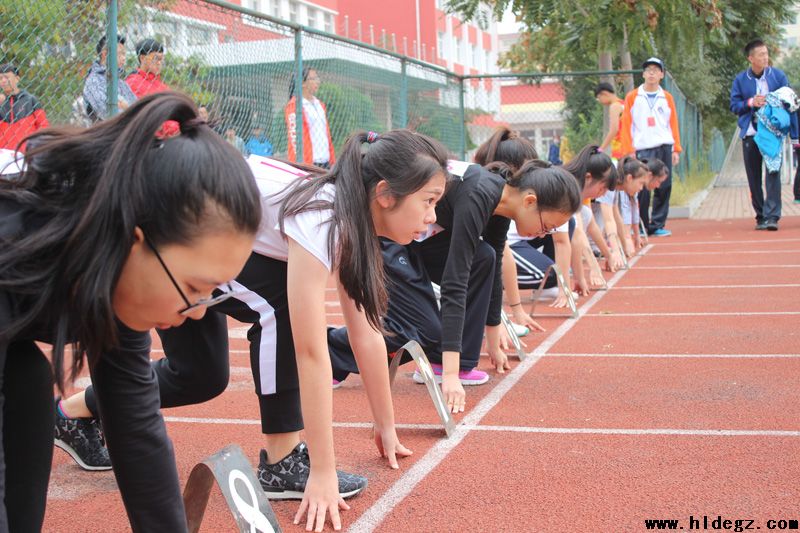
(661, 195)
(769, 210)
(196, 366)
(28, 419)
(413, 312)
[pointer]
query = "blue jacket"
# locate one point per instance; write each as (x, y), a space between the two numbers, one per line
(744, 88)
(554, 154)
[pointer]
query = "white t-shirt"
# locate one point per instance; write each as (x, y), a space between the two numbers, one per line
(318, 126)
(11, 162)
(309, 229)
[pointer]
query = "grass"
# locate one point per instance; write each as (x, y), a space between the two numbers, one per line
(683, 191)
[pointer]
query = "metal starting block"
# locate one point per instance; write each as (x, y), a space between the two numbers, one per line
(233, 473)
(513, 335)
(426, 371)
(562, 284)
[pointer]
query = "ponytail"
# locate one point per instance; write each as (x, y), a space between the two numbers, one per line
(505, 146)
(590, 160)
(92, 188)
(555, 188)
(406, 161)
(629, 165)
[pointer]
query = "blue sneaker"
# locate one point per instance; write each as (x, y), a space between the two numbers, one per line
(797, 200)
(661, 232)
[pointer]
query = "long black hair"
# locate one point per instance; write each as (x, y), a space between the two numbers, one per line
(406, 161)
(89, 189)
(506, 146)
(594, 162)
(630, 165)
(555, 188)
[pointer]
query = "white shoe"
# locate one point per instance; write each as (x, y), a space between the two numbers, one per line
(520, 330)
(547, 294)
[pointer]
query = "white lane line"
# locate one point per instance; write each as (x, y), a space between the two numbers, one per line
(682, 355)
(727, 252)
(664, 431)
(660, 287)
(734, 243)
(518, 429)
(748, 313)
(695, 267)
(373, 516)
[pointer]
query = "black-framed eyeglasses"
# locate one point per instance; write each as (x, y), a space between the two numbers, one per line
(544, 230)
(223, 291)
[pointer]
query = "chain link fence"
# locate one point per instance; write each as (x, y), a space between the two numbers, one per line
(247, 69)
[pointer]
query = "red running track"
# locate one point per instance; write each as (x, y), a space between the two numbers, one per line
(674, 395)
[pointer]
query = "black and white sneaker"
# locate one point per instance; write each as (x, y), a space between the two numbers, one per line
(82, 438)
(286, 479)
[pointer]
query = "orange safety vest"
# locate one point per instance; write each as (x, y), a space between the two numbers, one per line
(291, 132)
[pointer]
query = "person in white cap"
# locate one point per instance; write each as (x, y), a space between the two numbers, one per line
(649, 125)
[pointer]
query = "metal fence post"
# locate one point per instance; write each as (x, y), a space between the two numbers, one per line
(298, 94)
(403, 94)
(112, 69)
(462, 114)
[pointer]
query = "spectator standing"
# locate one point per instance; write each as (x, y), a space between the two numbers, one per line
(147, 78)
(95, 94)
(649, 125)
(20, 113)
(258, 144)
(605, 94)
(748, 94)
(233, 138)
(554, 152)
(317, 142)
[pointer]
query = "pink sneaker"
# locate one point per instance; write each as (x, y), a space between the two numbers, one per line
(467, 377)
(336, 384)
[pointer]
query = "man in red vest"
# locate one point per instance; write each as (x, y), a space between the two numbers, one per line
(20, 112)
(147, 78)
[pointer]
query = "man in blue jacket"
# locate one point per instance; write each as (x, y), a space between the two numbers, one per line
(748, 93)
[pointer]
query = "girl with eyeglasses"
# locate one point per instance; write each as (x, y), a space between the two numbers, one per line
(595, 173)
(88, 229)
(620, 205)
(314, 225)
(462, 252)
(523, 265)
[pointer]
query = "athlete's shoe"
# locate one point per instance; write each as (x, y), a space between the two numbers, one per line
(286, 479)
(467, 377)
(82, 438)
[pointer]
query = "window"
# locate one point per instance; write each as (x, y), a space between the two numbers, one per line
(275, 8)
(458, 55)
(312, 17)
(489, 64)
(440, 44)
(329, 23)
(476, 57)
(293, 8)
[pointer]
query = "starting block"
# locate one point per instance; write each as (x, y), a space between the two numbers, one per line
(426, 371)
(625, 265)
(562, 284)
(233, 473)
(643, 232)
(589, 257)
(513, 335)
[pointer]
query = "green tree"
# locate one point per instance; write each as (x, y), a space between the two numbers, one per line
(53, 42)
(349, 110)
(700, 40)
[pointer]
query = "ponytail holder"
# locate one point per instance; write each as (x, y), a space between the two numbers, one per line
(192, 124)
(372, 137)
